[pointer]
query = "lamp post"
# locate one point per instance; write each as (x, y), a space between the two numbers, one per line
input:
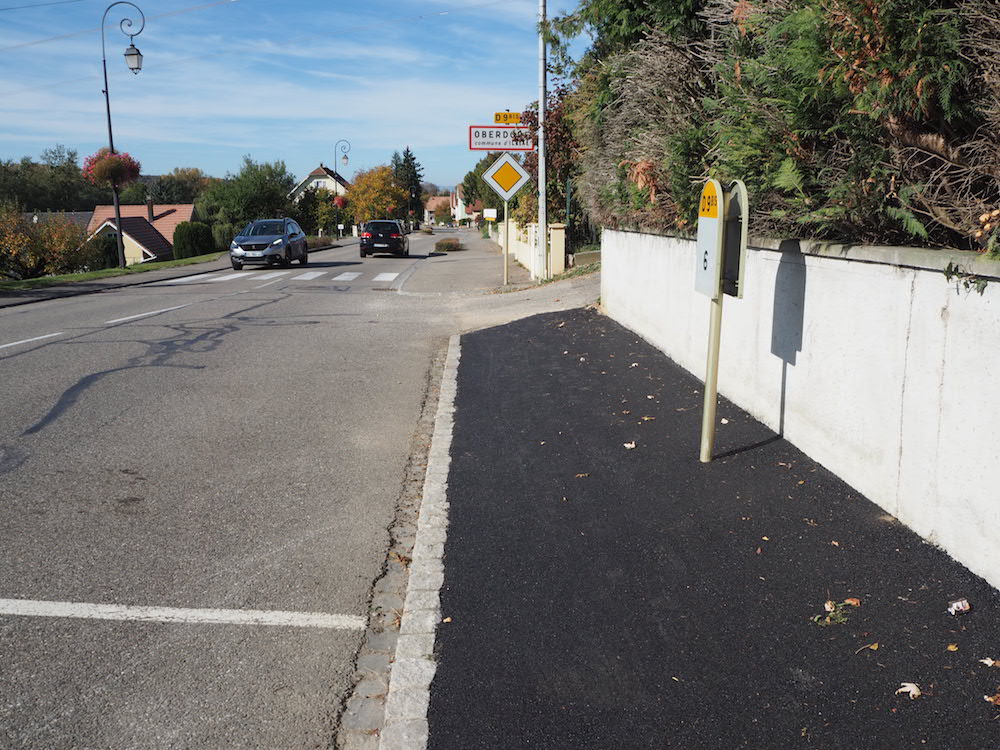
(344, 149)
(133, 58)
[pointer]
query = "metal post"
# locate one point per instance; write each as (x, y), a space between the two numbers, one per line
(126, 22)
(711, 381)
(541, 257)
(506, 240)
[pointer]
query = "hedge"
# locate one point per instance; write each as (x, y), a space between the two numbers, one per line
(192, 238)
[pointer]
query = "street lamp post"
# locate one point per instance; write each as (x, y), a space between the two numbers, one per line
(133, 58)
(344, 149)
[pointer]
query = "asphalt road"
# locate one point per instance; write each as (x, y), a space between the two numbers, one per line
(228, 442)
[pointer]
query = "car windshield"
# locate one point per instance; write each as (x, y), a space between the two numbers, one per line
(383, 226)
(263, 229)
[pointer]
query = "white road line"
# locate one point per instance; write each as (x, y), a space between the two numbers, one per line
(228, 277)
(187, 279)
(261, 286)
(33, 608)
(347, 276)
(272, 275)
(386, 276)
(145, 314)
(28, 341)
(308, 275)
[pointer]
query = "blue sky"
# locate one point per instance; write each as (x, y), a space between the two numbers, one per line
(275, 79)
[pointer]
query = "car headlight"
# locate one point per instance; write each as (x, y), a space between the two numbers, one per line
(277, 242)
(233, 245)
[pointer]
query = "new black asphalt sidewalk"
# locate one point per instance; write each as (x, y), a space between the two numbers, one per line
(605, 596)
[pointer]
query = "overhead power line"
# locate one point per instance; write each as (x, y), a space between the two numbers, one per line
(243, 51)
(98, 28)
(39, 5)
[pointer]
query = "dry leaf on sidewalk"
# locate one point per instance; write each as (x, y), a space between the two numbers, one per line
(629, 446)
(952, 647)
(870, 647)
(648, 419)
(852, 601)
(910, 689)
(990, 662)
(581, 476)
(994, 699)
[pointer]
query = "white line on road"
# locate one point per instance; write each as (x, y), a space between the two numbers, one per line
(347, 276)
(386, 276)
(308, 275)
(272, 275)
(228, 277)
(33, 608)
(145, 314)
(261, 286)
(187, 279)
(28, 341)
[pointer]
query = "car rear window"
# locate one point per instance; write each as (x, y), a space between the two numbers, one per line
(384, 226)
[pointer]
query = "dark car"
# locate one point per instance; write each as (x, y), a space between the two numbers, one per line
(384, 236)
(269, 242)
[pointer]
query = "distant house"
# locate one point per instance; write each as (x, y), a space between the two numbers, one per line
(460, 210)
(147, 230)
(433, 203)
(321, 177)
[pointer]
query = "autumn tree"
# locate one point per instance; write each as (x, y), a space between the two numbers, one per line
(375, 194)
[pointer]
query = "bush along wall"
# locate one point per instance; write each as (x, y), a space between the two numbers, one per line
(854, 120)
(192, 238)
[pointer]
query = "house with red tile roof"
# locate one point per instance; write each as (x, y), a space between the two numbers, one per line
(433, 203)
(321, 177)
(147, 230)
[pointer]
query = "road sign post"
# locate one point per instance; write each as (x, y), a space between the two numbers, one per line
(506, 176)
(723, 217)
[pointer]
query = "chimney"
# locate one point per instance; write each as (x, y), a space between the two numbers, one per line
(149, 209)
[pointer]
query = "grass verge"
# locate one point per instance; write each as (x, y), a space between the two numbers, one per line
(105, 273)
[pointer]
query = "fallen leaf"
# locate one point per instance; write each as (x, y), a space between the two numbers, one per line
(650, 397)
(758, 550)
(561, 324)
(910, 689)
(581, 476)
(952, 647)
(565, 499)
(675, 679)
(853, 601)
(629, 446)
(765, 539)
(829, 605)
(835, 544)
(990, 662)
(566, 352)
(583, 359)
(626, 411)
(648, 419)
(447, 619)
(870, 647)
(724, 420)
(634, 364)
(994, 699)
(810, 522)
(782, 463)
(802, 481)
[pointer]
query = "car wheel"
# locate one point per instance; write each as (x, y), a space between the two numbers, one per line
(363, 253)
(304, 260)
(237, 266)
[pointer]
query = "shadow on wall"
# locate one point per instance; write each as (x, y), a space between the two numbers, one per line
(788, 315)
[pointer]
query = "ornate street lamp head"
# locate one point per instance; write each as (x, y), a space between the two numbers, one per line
(133, 57)
(344, 160)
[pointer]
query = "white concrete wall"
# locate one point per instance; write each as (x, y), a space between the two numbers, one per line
(867, 359)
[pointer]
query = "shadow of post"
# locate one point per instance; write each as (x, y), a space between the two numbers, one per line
(788, 315)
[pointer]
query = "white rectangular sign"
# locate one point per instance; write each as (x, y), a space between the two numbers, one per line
(490, 214)
(500, 138)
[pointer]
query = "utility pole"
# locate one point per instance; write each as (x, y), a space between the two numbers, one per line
(541, 258)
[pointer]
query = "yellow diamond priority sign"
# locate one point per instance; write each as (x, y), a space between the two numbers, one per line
(506, 177)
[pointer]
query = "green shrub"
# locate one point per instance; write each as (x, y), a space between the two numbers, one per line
(222, 236)
(192, 238)
(447, 244)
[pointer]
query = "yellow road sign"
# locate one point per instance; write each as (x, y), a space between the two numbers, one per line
(507, 118)
(506, 176)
